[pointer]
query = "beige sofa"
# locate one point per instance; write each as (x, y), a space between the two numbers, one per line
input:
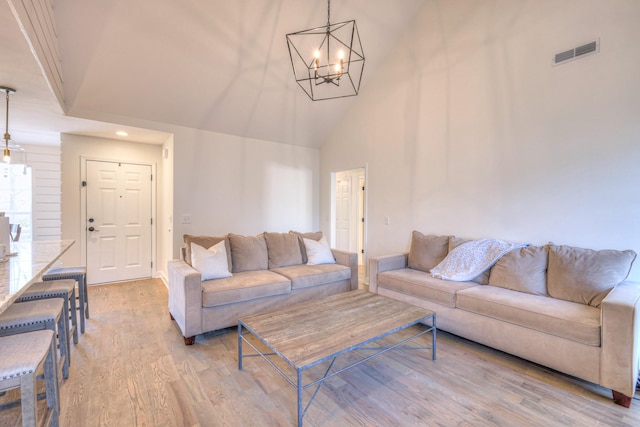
(221, 279)
(563, 307)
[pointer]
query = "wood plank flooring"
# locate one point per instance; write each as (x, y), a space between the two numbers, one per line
(131, 368)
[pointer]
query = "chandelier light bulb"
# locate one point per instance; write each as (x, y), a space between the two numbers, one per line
(7, 156)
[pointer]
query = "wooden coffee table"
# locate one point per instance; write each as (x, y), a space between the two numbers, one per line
(307, 334)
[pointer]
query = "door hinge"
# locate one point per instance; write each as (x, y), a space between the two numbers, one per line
(84, 183)
(362, 251)
(362, 219)
(151, 177)
(151, 264)
(363, 188)
(151, 221)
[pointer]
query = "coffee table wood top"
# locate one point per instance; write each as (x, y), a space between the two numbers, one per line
(311, 332)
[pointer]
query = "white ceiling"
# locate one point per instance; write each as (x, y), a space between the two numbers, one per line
(215, 65)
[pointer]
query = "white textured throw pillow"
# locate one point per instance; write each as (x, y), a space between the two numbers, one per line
(211, 263)
(471, 258)
(318, 252)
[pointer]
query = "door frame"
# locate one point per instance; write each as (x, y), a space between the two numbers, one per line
(83, 206)
(364, 213)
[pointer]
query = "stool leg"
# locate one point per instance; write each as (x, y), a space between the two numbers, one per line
(65, 312)
(81, 299)
(28, 399)
(62, 345)
(51, 382)
(74, 315)
(86, 296)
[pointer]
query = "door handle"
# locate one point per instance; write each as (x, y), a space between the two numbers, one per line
(92, 229)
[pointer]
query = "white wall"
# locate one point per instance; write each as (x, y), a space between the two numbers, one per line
(469, 130)
(76, 147)
(240, 185)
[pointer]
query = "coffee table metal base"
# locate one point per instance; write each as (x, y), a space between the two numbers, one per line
(297, 383)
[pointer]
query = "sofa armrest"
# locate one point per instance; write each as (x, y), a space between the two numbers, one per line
(349, 259)
(384, 263)
(185, 297)
(620, 341)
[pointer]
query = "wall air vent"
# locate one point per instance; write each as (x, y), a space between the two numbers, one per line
(577, 52)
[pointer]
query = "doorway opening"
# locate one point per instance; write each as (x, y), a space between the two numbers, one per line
(348, 216)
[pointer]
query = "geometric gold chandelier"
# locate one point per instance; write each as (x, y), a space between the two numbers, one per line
(327, 61)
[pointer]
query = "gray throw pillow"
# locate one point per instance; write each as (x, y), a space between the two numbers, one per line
(248, 253)
(427, 251)
(585, 275)
(284, 249)
(523, 270)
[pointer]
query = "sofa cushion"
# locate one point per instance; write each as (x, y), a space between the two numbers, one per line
(318, 252)
(523, 270)
(244, 286)
(565, 319)
(205, 242)
(283, 249)
(306, 276)
(212, 262)
(420, 284)
(314, 235)
(427, 251)
(483, 278)
(248, 253)
(586, 275)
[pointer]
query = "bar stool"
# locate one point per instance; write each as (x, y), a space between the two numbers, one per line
(65, 289)
(22, 356)
(79, 274)
(36, 315)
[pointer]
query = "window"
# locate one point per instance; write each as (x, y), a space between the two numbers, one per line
(15, 196)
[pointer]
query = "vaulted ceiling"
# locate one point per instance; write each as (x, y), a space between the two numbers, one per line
(215, 65)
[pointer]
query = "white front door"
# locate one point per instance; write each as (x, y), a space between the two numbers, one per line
(119, 225)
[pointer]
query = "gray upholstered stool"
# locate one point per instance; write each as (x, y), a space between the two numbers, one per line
(36, 315)
(65, 289)
(22, 356)
(79, 274)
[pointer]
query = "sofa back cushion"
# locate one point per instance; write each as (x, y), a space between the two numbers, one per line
(585, 275)
(284, 249)
(314, 235)
(205, 242)
(248, 253)
(427, 251)
(523, 270)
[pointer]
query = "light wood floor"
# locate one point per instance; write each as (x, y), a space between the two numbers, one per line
(131, 368)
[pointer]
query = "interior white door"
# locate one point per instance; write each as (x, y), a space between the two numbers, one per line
(343, 211)
(119, 224)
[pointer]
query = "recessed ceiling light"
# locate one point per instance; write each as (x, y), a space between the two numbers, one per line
(122, 133)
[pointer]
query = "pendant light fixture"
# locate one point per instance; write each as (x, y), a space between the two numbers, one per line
(7, 153)
(327, 61)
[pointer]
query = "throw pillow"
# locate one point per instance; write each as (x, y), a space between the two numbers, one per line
(248, 253)
(318, 252)
(482, 278)
(314, 235)
(283, 249)
(472, 258)
(427, 251)
(212, 262)
(523, 270)
(205, 242)
(585, 275)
